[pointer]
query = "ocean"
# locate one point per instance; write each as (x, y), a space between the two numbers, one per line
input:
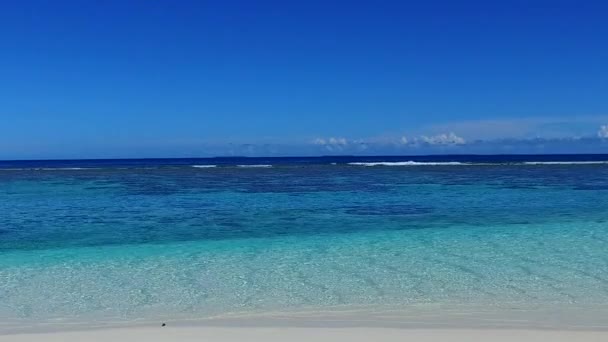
(150, 240)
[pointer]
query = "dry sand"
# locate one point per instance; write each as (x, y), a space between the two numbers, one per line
(267, 334)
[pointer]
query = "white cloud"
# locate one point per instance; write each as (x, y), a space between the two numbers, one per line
(603, 132)
(442, 139)
(335, 144)
(439, 139)
(338, 141)
(332, 144)
(331, 141)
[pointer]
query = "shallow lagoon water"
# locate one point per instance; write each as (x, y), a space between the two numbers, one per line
(180, 242)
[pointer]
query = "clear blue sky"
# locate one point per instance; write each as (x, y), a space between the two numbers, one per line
(180, 78)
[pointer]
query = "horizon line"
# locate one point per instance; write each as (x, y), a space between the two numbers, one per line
(317, 156)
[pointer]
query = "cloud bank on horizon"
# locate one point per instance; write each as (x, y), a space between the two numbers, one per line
(531, 135)
(450, 142)
(491, 136)
(553, 140)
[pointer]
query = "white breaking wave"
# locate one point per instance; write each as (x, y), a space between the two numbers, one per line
(413, 163)
(255, 165)
(406, 163)
(203, 166)
(567, 162)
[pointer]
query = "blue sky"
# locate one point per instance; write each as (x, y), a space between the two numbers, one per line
(178, 79)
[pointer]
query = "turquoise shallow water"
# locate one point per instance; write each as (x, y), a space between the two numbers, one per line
(128, 244)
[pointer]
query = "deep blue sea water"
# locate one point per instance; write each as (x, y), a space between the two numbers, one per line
(194, 238)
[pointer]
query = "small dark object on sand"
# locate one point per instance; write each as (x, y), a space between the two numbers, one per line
(162, 325)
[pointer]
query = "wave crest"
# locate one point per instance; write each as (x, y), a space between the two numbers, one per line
(566, 162)
(254, 165)
(203, 166)
(405, 163)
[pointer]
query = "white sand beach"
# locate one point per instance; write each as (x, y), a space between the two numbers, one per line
(268, 334)
(422, 323)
